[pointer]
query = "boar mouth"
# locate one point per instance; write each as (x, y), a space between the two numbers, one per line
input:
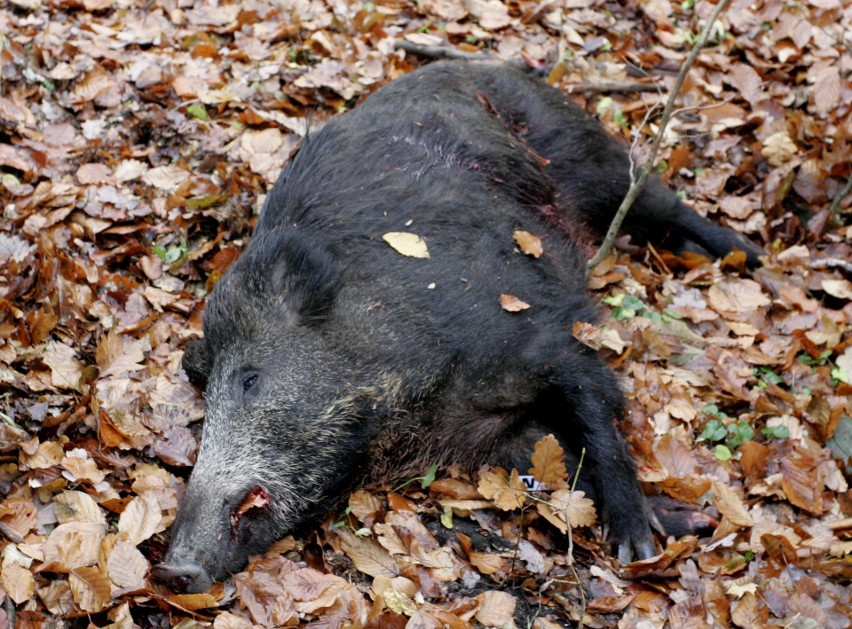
(187, 569)
(256, 503)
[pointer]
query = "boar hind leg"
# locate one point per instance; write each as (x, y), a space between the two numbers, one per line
(590, 169)
(584, 390)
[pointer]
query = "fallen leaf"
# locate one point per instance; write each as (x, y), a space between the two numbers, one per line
(506, 491)
(76, 506)
(548, 461)
(90, 587)
(367, 554)
(118, 354)
(17, 582)
(496, 609)
(73, 545)
(407, 244)
(510, 303)
(731, 505)
(127, 566)
(140, 519)
(529, 243)
(568, 508)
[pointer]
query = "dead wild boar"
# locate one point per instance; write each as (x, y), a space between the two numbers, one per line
(329, 358)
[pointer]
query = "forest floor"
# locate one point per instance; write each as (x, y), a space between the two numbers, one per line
(137, 142)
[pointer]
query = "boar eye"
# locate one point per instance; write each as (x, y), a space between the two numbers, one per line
(249, 381)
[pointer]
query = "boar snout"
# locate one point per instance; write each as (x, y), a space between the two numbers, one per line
(211, 538)
(186, 576)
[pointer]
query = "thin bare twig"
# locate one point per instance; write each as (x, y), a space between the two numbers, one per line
(437, 52)
(638, 183)
(616, 86)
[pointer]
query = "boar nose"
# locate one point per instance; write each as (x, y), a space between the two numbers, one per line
(186, 576)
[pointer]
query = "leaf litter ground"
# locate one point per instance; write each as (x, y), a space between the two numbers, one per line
(138, 141)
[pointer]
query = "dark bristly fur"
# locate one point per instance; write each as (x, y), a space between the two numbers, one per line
(329, 358)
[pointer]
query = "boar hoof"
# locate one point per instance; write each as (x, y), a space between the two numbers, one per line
(184, 577)
(629, 551)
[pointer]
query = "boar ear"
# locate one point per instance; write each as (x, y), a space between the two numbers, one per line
(196, 362)
(303, 273)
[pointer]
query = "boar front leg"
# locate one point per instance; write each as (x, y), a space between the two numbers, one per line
(591, 391)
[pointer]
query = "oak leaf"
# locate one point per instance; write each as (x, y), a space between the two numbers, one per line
(506, 491)
(568, 509)
(548, 461)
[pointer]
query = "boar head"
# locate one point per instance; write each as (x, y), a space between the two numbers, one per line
(282, 427)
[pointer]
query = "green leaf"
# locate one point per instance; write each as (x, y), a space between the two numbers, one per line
(738, 433)
(840, 443)
(723, 453)
(604, 104)
(767, 375)
(430, 477)
(197, 110)
(713, 411)
(714, 430)
(776, 432)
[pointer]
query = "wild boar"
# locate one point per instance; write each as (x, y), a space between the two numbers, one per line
(329, 357)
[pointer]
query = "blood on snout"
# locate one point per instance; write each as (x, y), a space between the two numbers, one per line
(256, 500)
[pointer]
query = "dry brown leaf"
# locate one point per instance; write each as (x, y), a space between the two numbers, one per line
(46, 455)
(510, 303)
(731, 505)
(81, 468)
(486, 563)
(496, 609)
(529, 243)
(745, 614)
(260, 590)
(227, 620)
(779, 148)
(364, 506)
(76, 506)
(121, 617)
(74, 544)
(118, 354)
(90, 588)
(827, 90)
(568, 508)
(407, 244)
(506, 491)
(754, 459)
(127, 566)
(367, 554)
(166, 178)
(746, 79)
(17, 518)
(17, 582)
(178, 446)
(399, 602)
(803, 479)
(492, 14)
(94, 173)
(548, 461)
(66, 369)
(455, 488)
(193, 602)
(140, 519)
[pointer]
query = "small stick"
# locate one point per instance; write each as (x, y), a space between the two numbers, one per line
(437, 52)
(616, 86)
(636, 184)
